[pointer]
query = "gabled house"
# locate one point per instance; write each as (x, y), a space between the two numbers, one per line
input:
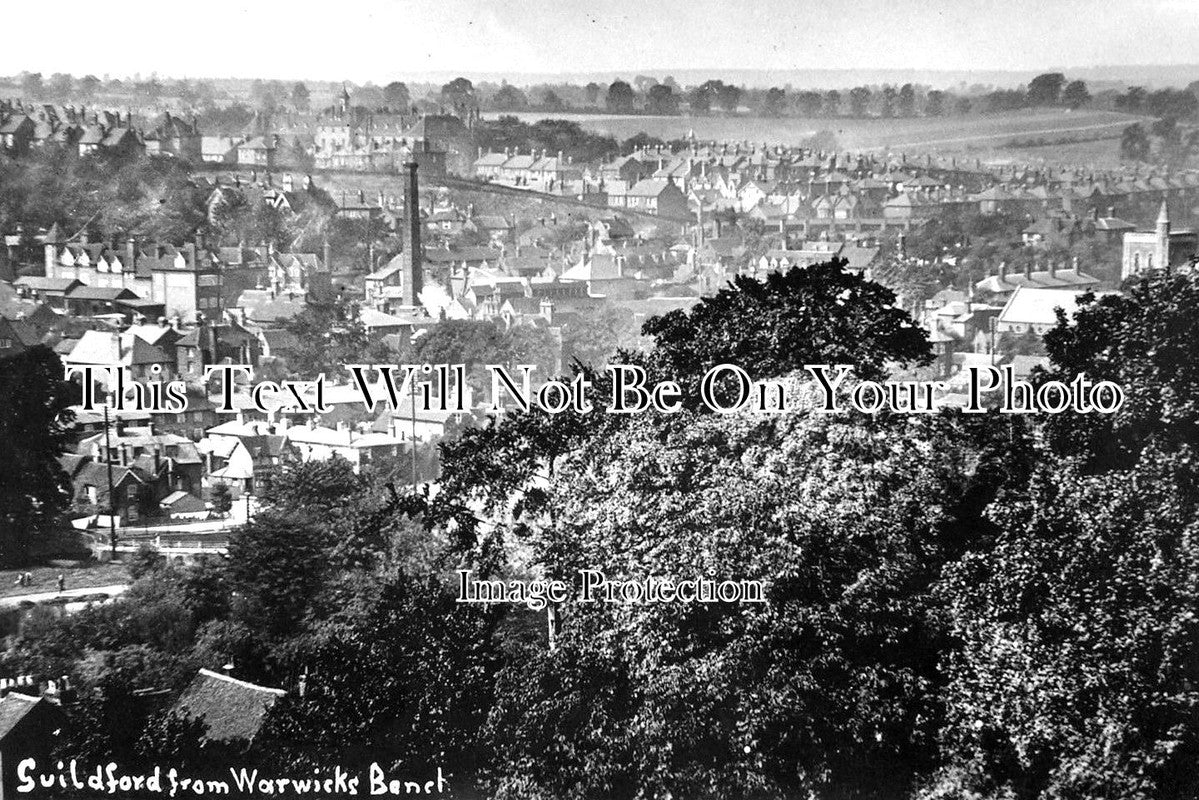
(625, 169)
(16, 336)
(1035, 310)
(16, 133)
(313, 442)
(658, 196)
(240, 454)
(111, 349)
(51, 291)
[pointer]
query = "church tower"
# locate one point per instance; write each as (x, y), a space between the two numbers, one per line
(1161, 250)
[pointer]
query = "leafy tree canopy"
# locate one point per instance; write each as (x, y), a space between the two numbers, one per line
(822, 314)
(34, 431)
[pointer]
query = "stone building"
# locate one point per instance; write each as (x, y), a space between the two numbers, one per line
(1160, 248)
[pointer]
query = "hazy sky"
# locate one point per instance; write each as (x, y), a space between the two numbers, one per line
(381, 40)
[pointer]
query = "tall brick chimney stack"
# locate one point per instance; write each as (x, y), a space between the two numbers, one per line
(413, 255)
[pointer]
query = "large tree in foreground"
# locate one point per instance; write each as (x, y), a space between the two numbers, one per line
(405, 680)
(1076, 675)
(1144, 341)
(820, 314)
(34, 432)
(831, 689)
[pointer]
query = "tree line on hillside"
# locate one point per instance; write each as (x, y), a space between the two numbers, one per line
(646, 95)
(1164, 140)
(221, 105)
(1169, 138)
(560, 136)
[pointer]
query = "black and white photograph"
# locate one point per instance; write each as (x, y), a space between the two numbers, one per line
(623, 400)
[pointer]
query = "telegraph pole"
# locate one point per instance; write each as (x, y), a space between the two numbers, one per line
(993, 326)
(413, 433)
(112, 506)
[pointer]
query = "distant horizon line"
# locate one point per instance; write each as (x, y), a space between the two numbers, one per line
(546, 76)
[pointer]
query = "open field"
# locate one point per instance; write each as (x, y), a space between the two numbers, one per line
(921, 134)
(1093, 153)
(45, 579)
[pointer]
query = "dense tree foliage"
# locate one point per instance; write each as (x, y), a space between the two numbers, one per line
(832, 682)
(509, 98)
(150, 196)
(1143, 341)
(1077, 672)
(478, 344)
(1076, 95)
(1046, 89)
(404, 679)
(34, 430)
(817, 315)
(458, 93)
(1134, 143)
(329, 336)
(621, 97)
(111, 196)
(396, 95)
(551, 135)
(593, 335)
(661, 100)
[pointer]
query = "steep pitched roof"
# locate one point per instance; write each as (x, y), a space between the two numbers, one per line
(20, 330)
(40, 284)
(859, 258)
(490, 160)
(95, 474)
(492, 222)
(97, 347)
(182, 503)
(15, 707)
(650, 187)
(232, 709)
(1038, 306)
(109, 293)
